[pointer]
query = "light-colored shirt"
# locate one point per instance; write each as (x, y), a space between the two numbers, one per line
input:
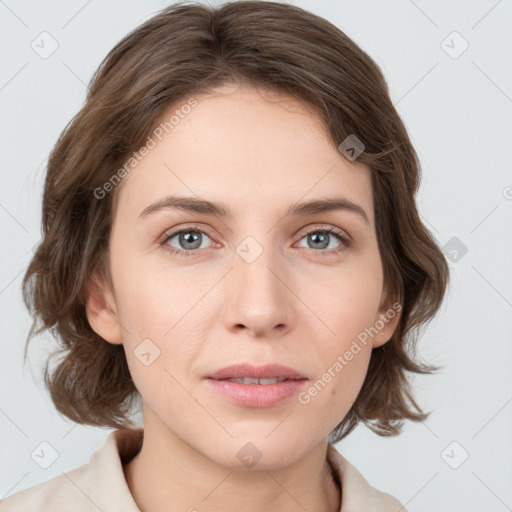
(100, 485)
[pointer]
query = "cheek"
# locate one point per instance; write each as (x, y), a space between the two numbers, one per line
(152, 297)
(331, 394)
(347, 306)
(348, 313)
(162, 317)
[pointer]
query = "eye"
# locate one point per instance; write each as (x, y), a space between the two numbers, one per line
(189, 238)
(319, 239)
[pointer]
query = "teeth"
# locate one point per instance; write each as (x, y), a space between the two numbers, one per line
(252, 380)
(245, 380)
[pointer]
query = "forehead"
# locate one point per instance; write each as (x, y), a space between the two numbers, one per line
(246, 149)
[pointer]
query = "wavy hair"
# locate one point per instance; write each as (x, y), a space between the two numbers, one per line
(189, 48)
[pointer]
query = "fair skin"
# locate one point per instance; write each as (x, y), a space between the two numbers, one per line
(213, 308)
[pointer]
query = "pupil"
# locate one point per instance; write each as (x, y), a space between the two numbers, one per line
(321, 236)
(190, 237)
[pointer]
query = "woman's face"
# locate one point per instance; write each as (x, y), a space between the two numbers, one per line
(260, 285)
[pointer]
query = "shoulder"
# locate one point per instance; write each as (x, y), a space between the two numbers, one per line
(55, 494)
(98, 485)
(357, 493)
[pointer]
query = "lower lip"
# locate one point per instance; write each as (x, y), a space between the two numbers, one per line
(256, 395)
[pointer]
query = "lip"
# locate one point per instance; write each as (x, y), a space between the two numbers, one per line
(256, 395)
(268, 371)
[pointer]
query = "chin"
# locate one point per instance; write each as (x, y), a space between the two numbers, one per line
(258, 452)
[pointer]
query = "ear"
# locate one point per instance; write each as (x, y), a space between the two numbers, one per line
(101, 311)
(386, 320)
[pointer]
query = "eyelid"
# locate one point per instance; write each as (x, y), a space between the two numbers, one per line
(324, 227)
(171, 232)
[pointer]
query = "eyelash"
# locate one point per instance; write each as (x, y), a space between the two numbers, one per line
(346, 242)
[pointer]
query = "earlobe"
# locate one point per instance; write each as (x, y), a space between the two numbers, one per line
(101, 311)
(386, 322)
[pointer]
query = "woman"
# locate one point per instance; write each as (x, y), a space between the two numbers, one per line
(231, 236)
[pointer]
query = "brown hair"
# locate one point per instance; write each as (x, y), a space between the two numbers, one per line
(190, 48)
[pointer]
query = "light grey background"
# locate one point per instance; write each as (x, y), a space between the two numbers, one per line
(458, 112)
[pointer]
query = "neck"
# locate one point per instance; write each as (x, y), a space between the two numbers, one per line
(168, 474)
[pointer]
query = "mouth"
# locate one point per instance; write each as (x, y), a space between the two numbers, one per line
(249, 386)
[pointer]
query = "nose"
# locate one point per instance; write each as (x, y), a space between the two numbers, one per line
(259, 293)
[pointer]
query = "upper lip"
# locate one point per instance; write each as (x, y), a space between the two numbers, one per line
(268, 371)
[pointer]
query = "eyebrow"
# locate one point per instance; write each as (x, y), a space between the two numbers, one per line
(197, 205)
